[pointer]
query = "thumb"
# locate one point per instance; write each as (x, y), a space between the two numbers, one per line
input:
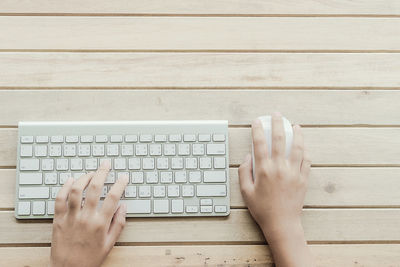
(117, 224)
(246, 176)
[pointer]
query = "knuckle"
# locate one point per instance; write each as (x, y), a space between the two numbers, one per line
(75, 189)
(95, 186)
(59, 198)
(114, 196)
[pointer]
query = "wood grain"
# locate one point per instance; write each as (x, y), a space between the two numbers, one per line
(199, 33)
(326, 146)
(217, 255)
(204, 70)
(320, 225)
(193, 7)
(327, 187)
(239, 107)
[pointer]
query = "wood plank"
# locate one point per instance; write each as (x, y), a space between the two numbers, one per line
(210, 70)
(320, 225)
(199, 33)
(327, 187)
(326, 146)
(193, 7)
(385, 255)
(239, 107)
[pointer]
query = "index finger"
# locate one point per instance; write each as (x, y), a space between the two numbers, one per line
(110, 204)
(278, 136)
(259, 143)
(96, 185)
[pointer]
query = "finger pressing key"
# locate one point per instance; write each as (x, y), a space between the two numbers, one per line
(96, 185)
(110, 204)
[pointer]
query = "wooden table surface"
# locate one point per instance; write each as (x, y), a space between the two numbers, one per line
(331, 66)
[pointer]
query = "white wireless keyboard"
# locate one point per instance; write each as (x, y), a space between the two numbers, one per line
(176, 168)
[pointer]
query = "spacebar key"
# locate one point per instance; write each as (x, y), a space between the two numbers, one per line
(211, 190)
(137, 206)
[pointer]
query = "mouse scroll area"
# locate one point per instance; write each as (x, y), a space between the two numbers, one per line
(267, 126)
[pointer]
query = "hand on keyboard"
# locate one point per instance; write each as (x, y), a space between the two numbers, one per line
(84, 234)
(275, 197)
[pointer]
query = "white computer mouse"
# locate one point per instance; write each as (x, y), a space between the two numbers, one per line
(266, 122)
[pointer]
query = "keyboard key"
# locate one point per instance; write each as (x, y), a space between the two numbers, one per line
(195, 177)
(141, 150)
(64, 177)
(160, 138)
(183, 149)
(62, 164)
(137, 206)
(189, 138)
(192, 209)
(72, 139)
(98, 150)
(169, 149)
(137, 177)
(166, 177)
(86, 138)
(218, 137)
(127, 150)
(152, 177)
(148, 163)
(101, 138)
(116, 138)
(205, 163)
(214, 176)
(198, 149)
(176, 163)
(130, 191)
(69, 150)
(50, 178)
(159, 191)
(27, 139)
(146, 138)
(34, 192)
(177, 206)
(26, 150)
(54, 192)
(211, 190)
(41, 151)
(134, 163)
(50, 207)
(191, 163)
(42, 139)
(219, 163)
(132, 138)
(180, 177)
(220, 209)
(215, 149)
(30, 178)
(161, 206)
(110, 178)
(204, 138)
(55, 150)
(120, 164)
(83, 150)
(91, 164)
(57, 139)
(24, 208)
(47, 164)
(205, 209)
(162, 163)
(175, 137)
(76, 164)
(144, 191)
(29, 164)
(112, 150)
(155, 149)
(173, 191)
(187, 190)
(38, 207)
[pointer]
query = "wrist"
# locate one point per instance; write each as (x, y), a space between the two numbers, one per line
(282, 231)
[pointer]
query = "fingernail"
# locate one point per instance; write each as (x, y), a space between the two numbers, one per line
(277, 113)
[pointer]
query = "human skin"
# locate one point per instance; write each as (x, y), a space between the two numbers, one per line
(275, 196)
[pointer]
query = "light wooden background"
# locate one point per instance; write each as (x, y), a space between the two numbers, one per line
(331, 66)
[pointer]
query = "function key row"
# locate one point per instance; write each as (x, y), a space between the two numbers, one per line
(145, 138)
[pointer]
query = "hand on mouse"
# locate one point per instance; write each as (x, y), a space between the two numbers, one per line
(275, 196)
(83, 235)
